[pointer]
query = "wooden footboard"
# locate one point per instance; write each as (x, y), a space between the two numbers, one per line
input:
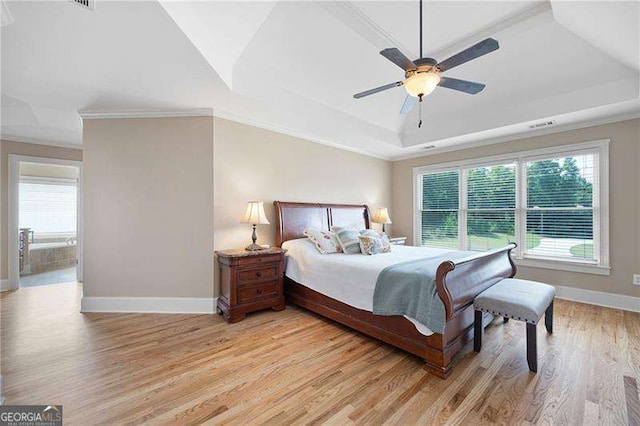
(457, 282)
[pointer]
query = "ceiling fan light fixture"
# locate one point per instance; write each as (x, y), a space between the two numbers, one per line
(421, 83)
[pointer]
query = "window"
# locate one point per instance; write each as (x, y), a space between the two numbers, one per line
(551, 202)
(440, 209)
(559, 207)
(491, 206)
(48, 206)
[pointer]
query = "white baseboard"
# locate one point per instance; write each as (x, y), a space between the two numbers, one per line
(155, 305)
(192, 305)
(5, 285)
(608, 300)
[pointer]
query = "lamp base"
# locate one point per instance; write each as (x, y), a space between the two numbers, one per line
(254, 247)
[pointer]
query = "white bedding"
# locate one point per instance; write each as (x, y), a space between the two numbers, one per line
(349, 278)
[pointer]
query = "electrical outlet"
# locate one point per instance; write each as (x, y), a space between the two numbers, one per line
(636, 279)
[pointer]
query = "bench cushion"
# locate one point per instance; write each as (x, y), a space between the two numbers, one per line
(518, 299)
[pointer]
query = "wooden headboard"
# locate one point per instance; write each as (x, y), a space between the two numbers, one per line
(293, 218)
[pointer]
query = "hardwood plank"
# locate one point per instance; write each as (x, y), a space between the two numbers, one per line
(632, 398)
(293, 367)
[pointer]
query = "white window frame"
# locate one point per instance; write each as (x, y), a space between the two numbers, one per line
(600, 205)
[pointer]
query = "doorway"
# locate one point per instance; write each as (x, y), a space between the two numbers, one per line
(45, 221)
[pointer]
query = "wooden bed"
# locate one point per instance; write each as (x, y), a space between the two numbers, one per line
(457, 283)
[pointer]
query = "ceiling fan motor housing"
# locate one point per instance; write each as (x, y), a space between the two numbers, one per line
(422, 65)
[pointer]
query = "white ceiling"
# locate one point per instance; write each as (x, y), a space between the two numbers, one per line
(293, 66)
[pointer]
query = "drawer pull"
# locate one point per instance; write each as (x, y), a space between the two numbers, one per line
(259, 291)
(259, 274)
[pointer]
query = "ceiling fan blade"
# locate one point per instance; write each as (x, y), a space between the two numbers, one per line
(461, 85)
(398, 58)
(408, 104)
(377, 89)
(469, 54)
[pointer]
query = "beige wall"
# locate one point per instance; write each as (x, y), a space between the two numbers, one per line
(256, 164)
(148, 207)
(157, 191)
(18, 148)
(624, 207)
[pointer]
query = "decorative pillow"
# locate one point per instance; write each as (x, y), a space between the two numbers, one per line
(369, 233)
(324, 241)
(348, 239)
(374, 245)
(386, 244)
(335, 228)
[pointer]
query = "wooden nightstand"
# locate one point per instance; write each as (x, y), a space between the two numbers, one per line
(250, 281)
(398, 241)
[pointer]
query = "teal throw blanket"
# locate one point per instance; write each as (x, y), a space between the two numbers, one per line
(409, 288)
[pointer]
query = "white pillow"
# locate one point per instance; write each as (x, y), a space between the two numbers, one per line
(325, 242)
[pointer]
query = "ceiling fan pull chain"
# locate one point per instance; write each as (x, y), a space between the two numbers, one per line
(420, 111)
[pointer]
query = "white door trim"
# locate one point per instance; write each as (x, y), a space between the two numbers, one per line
(13, 181)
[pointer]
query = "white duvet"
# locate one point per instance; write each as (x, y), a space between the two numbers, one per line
(349, 278)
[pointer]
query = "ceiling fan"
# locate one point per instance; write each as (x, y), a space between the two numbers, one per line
(423, 74)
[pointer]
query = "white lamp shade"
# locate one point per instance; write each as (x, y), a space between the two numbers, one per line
(421, 83)
(381, 215)
(255, 214)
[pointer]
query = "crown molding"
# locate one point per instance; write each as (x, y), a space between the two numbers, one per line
(35, 141)
(188, 112)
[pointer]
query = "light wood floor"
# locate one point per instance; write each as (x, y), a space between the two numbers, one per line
(294, 367)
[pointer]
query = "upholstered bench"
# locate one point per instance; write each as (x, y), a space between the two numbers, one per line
(520, 300)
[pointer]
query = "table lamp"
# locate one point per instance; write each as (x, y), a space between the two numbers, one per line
(381, 216)
(255, 216)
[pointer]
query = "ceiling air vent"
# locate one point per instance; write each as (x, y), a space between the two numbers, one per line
(87, 4)
(541, 124)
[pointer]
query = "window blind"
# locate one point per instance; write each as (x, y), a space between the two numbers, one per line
(550, 201)
(48, 207)
(491, 204)
(440, 203)
(559, 207)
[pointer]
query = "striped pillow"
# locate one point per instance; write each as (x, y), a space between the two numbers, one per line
(348, 239)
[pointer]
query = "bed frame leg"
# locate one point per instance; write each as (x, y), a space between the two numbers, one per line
(437, 370)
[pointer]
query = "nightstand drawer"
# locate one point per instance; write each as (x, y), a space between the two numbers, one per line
(258, 260)
(268, 272)
(247, 294)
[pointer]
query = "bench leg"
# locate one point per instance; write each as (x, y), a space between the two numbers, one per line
(548, 318)
(532, 348)
(477, 332)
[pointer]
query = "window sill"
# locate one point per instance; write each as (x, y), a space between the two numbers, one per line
(564, 266)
